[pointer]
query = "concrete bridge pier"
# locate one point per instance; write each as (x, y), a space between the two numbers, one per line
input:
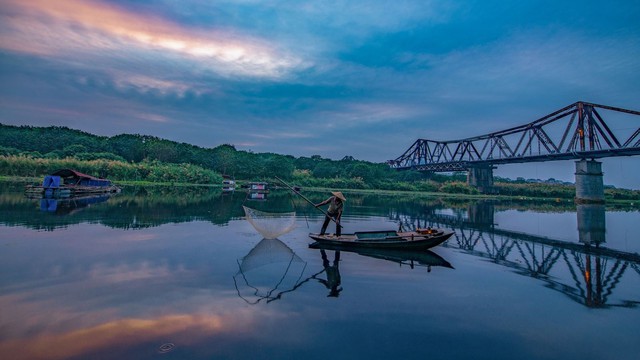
(589, 185)
(481, 177)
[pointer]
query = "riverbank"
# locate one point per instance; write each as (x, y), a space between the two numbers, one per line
(568, 201)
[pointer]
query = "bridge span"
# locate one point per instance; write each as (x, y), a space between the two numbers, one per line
(576, 132)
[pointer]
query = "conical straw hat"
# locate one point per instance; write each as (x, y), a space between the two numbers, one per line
(339, 195)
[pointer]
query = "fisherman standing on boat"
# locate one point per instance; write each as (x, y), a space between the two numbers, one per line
(336, 205)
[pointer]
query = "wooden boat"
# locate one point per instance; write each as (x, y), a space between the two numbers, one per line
(69, 183)
(407, 240)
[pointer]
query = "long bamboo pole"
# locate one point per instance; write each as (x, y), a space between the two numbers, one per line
(309, 201)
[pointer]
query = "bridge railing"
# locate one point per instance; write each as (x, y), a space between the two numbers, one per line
(577, 131)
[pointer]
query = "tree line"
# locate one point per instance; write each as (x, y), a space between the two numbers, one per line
(56, 142)
(36, 151)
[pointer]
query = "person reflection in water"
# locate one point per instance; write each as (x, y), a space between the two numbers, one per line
(333, 274)
(336, 204)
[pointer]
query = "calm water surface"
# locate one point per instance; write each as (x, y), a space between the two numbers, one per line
(161, 273)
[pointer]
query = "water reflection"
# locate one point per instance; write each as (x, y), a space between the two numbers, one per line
(587, 272)
(156, 265)
(332, 272)
(67, 206)
(591, 224)
(412, 259)
(331, 268)
(268, 271)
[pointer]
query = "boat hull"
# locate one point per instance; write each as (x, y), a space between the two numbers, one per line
(68, 191)
(385, 239)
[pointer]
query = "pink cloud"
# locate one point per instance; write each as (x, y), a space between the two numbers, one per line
(54, 28)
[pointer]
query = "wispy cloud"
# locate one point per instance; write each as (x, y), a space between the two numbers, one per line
(92, 29)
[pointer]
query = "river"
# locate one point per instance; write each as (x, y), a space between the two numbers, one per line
(179, 273)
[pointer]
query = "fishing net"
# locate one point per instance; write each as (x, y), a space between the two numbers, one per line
(270, 225)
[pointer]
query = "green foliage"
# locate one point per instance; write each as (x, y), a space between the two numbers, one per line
(326, 169)
(536, 190)
(621, 194)
(457, 187)
(72, 150)
(100, 155)
(5, 150)
(114, 170)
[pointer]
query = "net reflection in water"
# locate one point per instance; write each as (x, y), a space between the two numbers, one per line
(268, 270)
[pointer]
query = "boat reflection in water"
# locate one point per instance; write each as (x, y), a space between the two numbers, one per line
(70, 205)
(422, 258)
(272, 269)
(412, 259)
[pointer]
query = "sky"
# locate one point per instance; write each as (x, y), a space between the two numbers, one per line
(332, 78)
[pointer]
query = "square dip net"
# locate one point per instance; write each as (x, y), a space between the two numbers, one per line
(269, 224)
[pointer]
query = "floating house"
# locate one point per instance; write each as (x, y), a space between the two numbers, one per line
(68, 183)
(257, 186)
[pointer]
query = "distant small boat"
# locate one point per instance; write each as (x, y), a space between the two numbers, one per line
(69, 183)
(420, 239)
(228, 183)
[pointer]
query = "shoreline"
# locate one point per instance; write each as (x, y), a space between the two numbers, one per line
(634, 204)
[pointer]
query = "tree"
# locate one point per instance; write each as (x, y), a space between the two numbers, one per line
(130, 147)
(72, 150)
(224, 157)
(163, 151)
(279, 166)
(326, 169)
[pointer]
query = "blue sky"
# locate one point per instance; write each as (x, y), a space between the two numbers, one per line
(329, 78)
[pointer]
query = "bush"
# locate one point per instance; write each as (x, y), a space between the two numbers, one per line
(111, 169)
(87, 156)
(457, 187)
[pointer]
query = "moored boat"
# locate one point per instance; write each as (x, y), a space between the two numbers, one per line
(68, 182)
(228, 183)
(407, 240)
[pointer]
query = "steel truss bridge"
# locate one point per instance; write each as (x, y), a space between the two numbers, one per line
(578, 131)
(585, 274)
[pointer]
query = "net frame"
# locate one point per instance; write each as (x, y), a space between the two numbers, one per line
(269, 224)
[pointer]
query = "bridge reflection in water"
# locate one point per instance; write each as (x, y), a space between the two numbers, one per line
(587, 271)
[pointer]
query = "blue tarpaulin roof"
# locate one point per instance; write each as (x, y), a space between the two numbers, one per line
(80, 178)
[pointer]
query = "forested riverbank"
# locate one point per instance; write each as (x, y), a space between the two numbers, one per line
(32, 152)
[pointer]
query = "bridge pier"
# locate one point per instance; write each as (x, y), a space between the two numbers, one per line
(481, 177)
(589, 185)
